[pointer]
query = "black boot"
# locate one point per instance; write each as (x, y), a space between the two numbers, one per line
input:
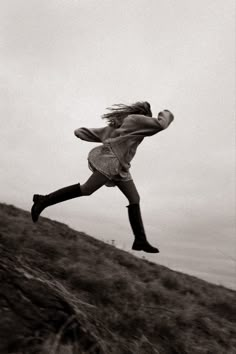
(43, 201)
(140, 242)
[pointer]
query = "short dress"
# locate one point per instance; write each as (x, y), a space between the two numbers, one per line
(103, 159)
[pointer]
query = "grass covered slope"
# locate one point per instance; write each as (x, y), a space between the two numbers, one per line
(120, 304)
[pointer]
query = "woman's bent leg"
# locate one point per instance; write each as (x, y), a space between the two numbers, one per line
(129, 189)
(140, 243)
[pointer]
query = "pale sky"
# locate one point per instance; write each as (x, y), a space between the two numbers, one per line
(62, 62)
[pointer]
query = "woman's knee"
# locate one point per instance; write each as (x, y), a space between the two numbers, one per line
(94, 182)
(130, 191)
(134, 199)
(85, 190)
(133, 194)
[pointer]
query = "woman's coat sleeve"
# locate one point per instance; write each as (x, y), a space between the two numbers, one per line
(141, 125)
(90, 134)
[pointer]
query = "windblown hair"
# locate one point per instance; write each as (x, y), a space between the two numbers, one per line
(118, 112)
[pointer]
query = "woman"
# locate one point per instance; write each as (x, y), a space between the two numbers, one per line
(127, 126)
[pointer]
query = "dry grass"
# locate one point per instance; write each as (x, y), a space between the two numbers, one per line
(137, 306)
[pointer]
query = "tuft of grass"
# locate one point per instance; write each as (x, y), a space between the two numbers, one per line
(171, 281)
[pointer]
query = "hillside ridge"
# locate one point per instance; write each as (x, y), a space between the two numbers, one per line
(63, 291)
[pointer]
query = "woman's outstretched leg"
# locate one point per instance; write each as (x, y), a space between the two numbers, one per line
(130, 191)
(94, 182)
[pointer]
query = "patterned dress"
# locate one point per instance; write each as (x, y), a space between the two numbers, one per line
(102, 159)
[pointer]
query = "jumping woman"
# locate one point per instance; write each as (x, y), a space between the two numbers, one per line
(127, 126)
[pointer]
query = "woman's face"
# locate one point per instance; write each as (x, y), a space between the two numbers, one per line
(164, 118)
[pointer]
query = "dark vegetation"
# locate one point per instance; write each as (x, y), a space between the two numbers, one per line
(63, 291)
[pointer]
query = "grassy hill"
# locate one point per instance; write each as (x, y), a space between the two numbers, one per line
(63, 291)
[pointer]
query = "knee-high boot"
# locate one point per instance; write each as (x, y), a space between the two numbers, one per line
(140, 242)
(43, 201)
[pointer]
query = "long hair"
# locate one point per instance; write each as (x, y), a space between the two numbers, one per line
(118, 112)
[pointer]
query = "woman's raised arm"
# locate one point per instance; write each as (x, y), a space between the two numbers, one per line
(90, 134)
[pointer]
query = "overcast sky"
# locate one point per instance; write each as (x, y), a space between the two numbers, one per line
(63, 62)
